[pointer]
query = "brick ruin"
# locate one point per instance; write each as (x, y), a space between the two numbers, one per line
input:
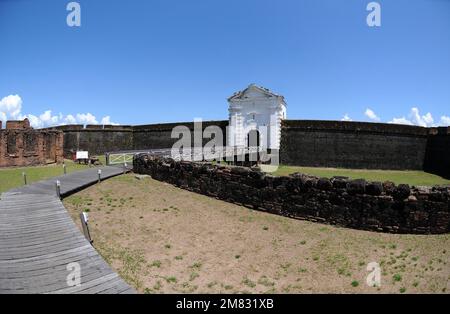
(21, 145)
(358, 204)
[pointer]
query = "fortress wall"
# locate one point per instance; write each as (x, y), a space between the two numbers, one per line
(352, 145)
(154, 136)
(96, 139)
(303, 143)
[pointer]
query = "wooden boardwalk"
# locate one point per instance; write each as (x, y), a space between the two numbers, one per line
(38, 239)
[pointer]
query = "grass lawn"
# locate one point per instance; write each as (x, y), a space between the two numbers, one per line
(12, 177)
(407, 177)
(162, 239)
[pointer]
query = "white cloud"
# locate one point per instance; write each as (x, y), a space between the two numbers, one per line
(35, 122)
(414, 118)
(11, 109)
(427, 119)
(346, 118)
(69, 119)
(417, 119)
(86, 118)
(48, 119)
(11, 106)
(445, 121)
(371, 115)
(107, 121)
(2, 116)
(402, 120)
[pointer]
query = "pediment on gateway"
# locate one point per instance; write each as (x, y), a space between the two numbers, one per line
(253, 92)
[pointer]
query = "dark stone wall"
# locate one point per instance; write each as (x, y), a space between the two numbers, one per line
(352, 145)
(156, 136)
(349, 203)
(437, 158)
(303, 143)
(96, 139)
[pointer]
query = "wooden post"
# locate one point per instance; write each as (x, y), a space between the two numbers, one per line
(58, 188)
(64, 168)
(24, 175)
(84, 223)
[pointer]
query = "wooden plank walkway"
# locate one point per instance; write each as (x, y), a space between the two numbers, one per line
(38, 239)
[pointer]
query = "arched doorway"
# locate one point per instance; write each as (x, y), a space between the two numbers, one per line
(253, 138)
(253, 143)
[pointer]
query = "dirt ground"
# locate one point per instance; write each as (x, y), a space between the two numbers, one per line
(162, 239)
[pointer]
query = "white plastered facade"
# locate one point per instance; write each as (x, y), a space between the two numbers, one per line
(255, 108)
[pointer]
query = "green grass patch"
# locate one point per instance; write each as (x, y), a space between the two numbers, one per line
(171, 279)
(397, 277)
(248, 282)
(156, 263)
(132, 261)
(193, 276)
(11, 178)
(396, 176)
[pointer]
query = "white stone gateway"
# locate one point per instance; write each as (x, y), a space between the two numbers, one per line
(255, 116)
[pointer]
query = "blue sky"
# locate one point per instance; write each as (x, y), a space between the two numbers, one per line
(146, 61)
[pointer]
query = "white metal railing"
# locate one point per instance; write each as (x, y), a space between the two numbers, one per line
(121, 158)
(215, 153)
(189, 154)
(117, 158)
